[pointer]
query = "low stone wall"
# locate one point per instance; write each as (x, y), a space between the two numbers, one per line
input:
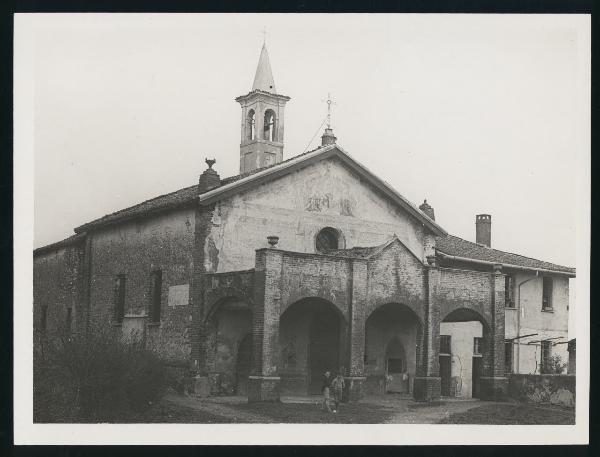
(556, 389)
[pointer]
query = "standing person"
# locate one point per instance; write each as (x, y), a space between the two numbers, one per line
(337, 385)
(326, 389)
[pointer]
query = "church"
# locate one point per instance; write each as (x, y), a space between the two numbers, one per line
(256, 284)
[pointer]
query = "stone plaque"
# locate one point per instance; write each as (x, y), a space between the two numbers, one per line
(179, 295)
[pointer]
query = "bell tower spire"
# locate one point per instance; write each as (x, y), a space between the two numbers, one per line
(262, 119)
(263, 79)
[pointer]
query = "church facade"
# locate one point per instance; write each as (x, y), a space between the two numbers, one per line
(257, 284)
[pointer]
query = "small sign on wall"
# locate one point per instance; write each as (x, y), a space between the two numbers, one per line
(179, 295)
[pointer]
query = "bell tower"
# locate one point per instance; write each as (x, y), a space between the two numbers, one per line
(262, 120)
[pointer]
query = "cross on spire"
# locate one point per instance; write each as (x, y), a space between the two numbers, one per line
(264, 33)
(329, 102)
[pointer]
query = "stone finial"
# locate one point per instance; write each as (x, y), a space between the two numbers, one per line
(273, 240)
(427, 209)
(209, 179)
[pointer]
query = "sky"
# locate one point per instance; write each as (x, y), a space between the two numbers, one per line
(477, 114)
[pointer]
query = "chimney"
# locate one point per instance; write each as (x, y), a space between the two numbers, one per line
(427, 209)
(483, 229)
(209, 179)
(328, 137)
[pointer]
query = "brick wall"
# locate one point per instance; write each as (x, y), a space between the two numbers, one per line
(313, 275)
(134, 249)
(57, 286)
(396, 275)
(464, 289)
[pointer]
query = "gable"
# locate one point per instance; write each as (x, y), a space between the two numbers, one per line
(394, 271)
(330, 188)
(306, 159)
(296, 206)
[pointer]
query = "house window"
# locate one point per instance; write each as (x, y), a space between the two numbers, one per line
(508, 291)
(327, 240)
(546, 354)
(477, 345)
(44, 318)
(69, 320)
(445, 345)
(547, 293)
(119, 311)
(508, 357)
(155, 295)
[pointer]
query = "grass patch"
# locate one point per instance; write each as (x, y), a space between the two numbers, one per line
(513, 414)
(303, 413)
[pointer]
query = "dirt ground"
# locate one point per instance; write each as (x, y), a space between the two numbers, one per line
(372, 410)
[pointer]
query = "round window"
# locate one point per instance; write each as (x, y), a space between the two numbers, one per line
(327, 240)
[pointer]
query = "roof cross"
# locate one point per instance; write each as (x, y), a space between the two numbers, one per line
(329, 102)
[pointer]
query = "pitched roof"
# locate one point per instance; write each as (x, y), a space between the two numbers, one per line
(303, 160)
(178, 198)
(238, 183)
(368, 252)
(175, 199)
(70, 241)
(263, 79)
(457, 247)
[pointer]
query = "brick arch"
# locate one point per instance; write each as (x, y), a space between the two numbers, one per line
(466, 312)
(341, 308)
(339, 311)
(219, 298)
(416, 324)
(416, 308)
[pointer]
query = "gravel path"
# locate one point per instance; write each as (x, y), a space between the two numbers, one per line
(405, 411)
(432, 414)
(217, 408)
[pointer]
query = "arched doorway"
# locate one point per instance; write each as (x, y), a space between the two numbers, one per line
(228, 346)
(392, 334)
(244, 359)
(463, 342)
(311, 333)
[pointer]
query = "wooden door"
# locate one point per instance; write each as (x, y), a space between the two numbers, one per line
(476, 375)
(445, 374)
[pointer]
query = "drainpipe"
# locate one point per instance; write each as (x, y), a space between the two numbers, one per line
(519, 318)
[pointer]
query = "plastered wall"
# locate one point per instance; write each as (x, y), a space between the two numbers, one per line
(295, 207)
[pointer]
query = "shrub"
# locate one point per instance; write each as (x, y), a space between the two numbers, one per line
(94, 377)
(554, 365)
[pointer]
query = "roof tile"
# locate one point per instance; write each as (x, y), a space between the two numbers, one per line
(453, 245)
